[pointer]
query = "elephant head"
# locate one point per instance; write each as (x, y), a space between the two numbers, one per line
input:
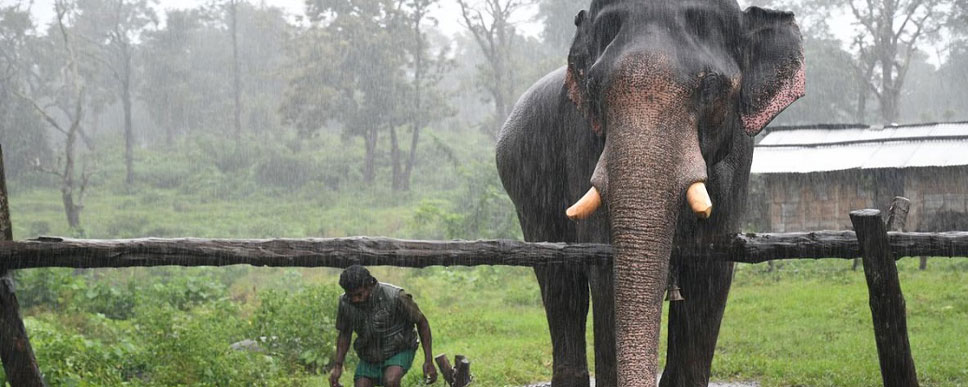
(669, 84)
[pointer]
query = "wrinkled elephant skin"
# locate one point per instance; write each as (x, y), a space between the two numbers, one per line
(656, 97)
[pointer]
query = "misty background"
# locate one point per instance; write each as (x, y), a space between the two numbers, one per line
(328, 118)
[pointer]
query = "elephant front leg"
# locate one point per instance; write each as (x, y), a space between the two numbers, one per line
(564, 291)
(694, 323)
(601, 280)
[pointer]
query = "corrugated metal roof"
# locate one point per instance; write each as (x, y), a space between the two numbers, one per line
(818, 148)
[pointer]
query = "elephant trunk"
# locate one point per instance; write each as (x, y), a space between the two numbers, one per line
(649, 169)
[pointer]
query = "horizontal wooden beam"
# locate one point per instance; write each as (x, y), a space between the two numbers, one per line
(342, 252)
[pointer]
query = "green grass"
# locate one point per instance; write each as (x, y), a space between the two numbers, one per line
(809, 323)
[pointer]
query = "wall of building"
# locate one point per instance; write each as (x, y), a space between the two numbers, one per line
(937, 194)
(823, 201)
(816, 201)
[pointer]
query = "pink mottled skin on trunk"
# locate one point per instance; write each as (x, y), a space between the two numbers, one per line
(788, 91)
(653, 156)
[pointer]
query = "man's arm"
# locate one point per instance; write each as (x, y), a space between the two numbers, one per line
(423, 329)
(342, 346)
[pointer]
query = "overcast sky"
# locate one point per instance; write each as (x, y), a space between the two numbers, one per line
(447, 13)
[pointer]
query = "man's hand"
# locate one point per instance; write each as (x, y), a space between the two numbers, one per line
(430, 372)
(335, 375)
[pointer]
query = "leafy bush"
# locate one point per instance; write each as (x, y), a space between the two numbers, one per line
(284, 170)
(298, 327)
(71, 359)
(480, 210)
(184, 291)
(193, 348)
(112, 301)
(51, 288)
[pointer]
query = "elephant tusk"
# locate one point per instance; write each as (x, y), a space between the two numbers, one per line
(699, 200)
(585, 206)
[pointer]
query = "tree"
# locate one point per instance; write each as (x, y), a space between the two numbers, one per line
(113, 28)
(427, 103)
(169, 87)
(22, 133)
(891, 31)
(54, 88)
(348, 67)
(492, 27)
(233, 11)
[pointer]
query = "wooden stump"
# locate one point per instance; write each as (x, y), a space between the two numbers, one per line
(19, 362)
(886, 300)
(455, 377)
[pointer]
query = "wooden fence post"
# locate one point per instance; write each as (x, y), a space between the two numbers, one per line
(886, 300)
(19, 362)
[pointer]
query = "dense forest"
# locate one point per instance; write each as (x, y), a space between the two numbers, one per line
(239, 119)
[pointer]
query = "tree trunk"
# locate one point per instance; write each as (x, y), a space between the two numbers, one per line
(237, 83)
(395, 159)
(71, 210)
(369, 163)
(412, 159)
(887, 48)
(417, 117)
(128, 130)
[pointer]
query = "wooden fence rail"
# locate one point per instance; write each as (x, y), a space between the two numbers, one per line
(342, 252)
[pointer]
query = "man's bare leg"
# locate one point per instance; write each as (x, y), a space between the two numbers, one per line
(392, 376)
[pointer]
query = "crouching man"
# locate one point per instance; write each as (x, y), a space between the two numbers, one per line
(384, 318)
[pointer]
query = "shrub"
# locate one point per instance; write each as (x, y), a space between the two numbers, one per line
(51, 288)
(112, 301)
(71, 359)
(193, 348)
(284, 171)
(298, 327)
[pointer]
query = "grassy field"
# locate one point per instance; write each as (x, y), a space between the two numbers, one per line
(796, 323)
(803, 323)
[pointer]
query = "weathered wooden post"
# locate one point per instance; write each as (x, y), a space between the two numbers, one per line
(462, 371)
(18, 359)
(459, 376)
(446, 371)
(886, 300)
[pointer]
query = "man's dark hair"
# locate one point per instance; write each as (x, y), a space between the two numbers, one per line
(355, 277)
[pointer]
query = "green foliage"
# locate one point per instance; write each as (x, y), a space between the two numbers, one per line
(109, 300)
(183, 292)
(193, 348)
(298, 327)
(284, 170)
(69, 359)
(53, 288)
(480, 209)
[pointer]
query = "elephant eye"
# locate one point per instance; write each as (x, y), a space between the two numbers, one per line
(713, 86)
(712, 94)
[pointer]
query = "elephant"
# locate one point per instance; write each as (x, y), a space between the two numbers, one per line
(652, 120)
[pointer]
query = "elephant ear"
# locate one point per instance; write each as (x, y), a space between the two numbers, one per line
(576, 79)
(773, 66)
